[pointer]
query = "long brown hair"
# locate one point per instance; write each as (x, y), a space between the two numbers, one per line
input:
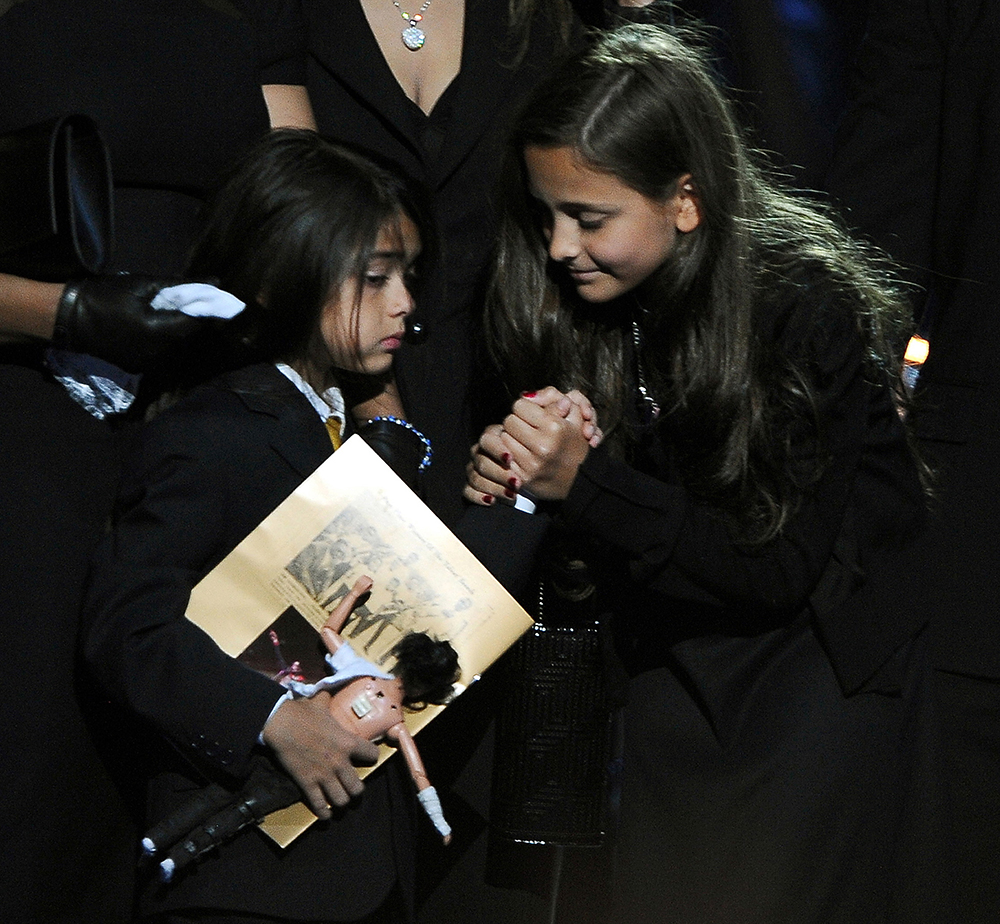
(643, 104)
(523, 15)
(298, 216)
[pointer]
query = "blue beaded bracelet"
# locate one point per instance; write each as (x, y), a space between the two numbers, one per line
(428, 451)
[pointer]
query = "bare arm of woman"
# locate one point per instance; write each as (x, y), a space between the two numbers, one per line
(288, 106)
(27, 308)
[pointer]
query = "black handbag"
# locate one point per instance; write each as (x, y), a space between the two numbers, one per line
(56, 201)
(553, 731)
(553, 740)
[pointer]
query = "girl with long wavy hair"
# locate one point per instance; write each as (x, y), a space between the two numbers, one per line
(742, 356)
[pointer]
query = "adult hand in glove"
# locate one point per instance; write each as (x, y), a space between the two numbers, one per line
(135, 321)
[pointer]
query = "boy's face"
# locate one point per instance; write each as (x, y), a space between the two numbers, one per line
(608, 237)
(363, 324)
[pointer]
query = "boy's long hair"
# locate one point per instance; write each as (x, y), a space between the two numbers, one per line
(297, 218)
(642, 104)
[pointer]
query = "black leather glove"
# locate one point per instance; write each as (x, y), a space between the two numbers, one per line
(111, 317)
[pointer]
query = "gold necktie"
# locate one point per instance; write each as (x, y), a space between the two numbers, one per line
(333, 425)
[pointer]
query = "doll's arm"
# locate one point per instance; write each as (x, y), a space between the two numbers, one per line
(427, 794)
(335, 622)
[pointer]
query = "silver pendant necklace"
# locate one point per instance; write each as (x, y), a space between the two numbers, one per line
(413, 36)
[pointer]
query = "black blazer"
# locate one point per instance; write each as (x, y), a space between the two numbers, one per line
(918, 167)
(688, 576)
(203, 476)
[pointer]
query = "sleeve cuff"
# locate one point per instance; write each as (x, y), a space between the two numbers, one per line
(284, 698)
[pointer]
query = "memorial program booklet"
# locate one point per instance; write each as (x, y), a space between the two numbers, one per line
(265, 602)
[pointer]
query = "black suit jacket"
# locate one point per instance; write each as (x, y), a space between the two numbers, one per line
(204, 475)
(919, 169)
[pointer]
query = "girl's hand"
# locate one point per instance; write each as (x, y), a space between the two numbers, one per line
(546, 442)
(555, 400)
(539, 448)
(557, 429)
(488, 477)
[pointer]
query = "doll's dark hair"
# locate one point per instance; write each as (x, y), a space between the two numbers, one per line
(642, 104)
(296, 218)
(428, 668)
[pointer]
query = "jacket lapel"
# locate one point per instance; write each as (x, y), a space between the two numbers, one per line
(298, 436)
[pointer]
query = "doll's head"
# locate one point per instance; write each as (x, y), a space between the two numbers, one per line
(424, 674)
(427, 667)
(322, 244)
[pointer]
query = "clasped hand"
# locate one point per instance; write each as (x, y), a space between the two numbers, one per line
(538, 449)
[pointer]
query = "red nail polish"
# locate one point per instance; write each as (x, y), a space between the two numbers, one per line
(528, 394)
(506, 457)
(511, 494)
(488, 499)
(513, 482)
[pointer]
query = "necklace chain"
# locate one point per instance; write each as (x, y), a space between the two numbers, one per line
(651, 404)
(413, 36)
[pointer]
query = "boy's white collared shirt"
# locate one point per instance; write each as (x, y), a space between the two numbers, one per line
(329, 404)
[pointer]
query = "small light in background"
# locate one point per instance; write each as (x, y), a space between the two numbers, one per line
(913, 359)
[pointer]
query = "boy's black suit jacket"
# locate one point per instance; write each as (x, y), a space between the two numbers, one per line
(203, 476)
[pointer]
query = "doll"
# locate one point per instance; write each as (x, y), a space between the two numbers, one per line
(365, 699)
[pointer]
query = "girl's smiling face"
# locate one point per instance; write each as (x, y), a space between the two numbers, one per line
(362, 324)
(607, 236)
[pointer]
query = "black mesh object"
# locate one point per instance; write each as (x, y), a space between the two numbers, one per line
(553, 739)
